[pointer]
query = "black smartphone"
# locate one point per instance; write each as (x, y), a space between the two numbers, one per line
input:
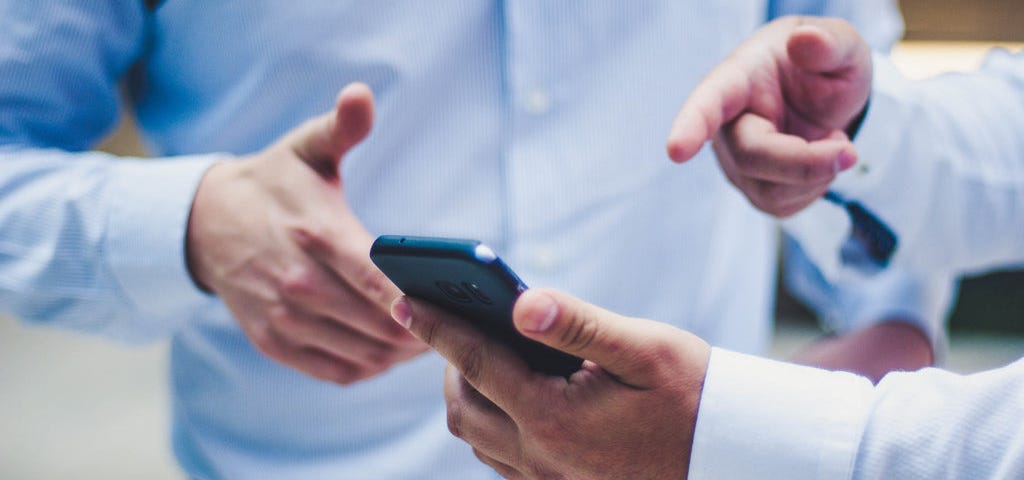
(466, 277)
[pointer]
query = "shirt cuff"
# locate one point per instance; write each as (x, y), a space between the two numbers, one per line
(760, 418)
(145, 236)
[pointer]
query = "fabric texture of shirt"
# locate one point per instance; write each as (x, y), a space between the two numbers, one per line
(538, 127)
(942, 162)
(945, 164)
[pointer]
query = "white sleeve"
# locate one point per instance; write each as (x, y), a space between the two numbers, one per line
(937, 424)
(942, 162)
(760, 418)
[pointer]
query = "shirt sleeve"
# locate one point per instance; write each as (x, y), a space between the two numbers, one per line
(87, 241)
(878, 21)
(942, 162)
(760, 418)
(854, 301)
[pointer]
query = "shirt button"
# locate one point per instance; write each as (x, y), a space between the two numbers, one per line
(544, 259)
(537, 102)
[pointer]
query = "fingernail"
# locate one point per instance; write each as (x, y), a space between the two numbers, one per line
(542, 315)
(845, 160)
(401, 313)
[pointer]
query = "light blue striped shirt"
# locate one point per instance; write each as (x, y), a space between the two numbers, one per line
(535, 126)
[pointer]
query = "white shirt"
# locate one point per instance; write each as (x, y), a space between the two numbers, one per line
(942, 162)
(945, 167)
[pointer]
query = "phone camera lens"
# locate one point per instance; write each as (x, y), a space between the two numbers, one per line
(477, 292)
(453, 292)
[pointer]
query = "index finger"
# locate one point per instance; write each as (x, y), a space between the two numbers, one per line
(347, 255)
(491, 368)
(719, 98)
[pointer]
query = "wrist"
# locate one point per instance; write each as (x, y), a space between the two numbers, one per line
(199, 227)
(695, 378)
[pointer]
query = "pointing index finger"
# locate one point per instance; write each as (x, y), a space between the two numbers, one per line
(720, 97)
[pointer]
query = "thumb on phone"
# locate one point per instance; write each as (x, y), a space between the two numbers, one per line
(638, 352)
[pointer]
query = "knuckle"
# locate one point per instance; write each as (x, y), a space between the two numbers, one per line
(395, 334)
(380, 358)
(742, 160)
(813, 171)
(376, 286)
(281, 318)
(456, 409)
(579, 333)
(775, 194)
(310, 236)
(539, 471)
(344, 374)
(788, 211)
(267, 342)
(298, 282)
(768, 197)
(663, 353)
(480, 455)
(469, 362)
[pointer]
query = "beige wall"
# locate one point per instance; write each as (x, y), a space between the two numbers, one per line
(985, 20)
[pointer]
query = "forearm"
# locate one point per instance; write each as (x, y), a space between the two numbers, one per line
(891, 345)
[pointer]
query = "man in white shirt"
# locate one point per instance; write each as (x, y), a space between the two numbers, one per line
(658, 402)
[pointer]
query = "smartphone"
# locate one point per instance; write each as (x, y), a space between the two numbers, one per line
(466, 278)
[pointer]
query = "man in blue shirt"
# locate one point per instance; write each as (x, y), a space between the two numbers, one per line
(536, 127)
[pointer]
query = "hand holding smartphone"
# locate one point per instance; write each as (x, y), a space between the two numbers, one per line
(465, 277)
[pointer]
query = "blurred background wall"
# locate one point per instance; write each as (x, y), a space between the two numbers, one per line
(78, 407)
(965, 20)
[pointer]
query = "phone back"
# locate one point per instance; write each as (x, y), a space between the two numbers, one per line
(466, 278)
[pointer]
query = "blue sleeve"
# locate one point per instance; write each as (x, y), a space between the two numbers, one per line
(87, 241)
(878, 21)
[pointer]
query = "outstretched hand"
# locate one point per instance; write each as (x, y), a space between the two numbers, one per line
(273, 236)
(777, 111)
(629, 412)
